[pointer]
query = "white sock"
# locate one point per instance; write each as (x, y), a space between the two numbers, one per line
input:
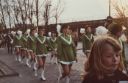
(67, 79)
(16, 58)
(27, 63)
(19, 58)
(35, 73)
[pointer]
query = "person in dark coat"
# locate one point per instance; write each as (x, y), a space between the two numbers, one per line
(115, 31)
(9, 41)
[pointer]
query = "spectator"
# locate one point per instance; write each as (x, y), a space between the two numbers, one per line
(104, 63)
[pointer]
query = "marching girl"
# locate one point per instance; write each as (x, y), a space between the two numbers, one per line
(17, 42)
(22, 51)
(87, 40)
(66, 52)
(32, 48)
(24, 45)
(53, 46)
(41, 52)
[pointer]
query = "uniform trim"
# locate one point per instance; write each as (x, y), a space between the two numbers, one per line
(67, 63)
(17, 46)
(30, 50)
(42, 55)
(68, 42)
(42, 42)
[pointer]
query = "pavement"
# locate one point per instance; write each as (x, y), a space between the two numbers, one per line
(26, 75)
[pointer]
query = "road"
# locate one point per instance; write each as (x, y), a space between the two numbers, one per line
(26, 75)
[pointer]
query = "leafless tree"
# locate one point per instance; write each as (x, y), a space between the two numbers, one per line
(122, 11)
(58, 10)
(46, 12)
(2, 14)
(7, 8)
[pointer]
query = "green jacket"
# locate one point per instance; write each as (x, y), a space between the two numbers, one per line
(65, 49)
(17, 40)
(41, 45)
(24, 41)
(32, 43)
(87, 40)
(53, 43)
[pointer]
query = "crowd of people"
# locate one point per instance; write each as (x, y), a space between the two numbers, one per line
(106, 59)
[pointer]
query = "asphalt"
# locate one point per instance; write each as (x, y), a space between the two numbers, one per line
(26, 75)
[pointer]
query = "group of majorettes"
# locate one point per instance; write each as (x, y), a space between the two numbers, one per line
(33, 49)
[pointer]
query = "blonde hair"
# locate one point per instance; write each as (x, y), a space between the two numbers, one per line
(94, 64)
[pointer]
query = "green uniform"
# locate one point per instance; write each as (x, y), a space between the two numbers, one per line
(66, 52)
(41, 46)
(17, 41)
(32, 43)
(87, 40)
(24, 41)
(53, 43)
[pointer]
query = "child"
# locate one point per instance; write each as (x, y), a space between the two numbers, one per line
(53, 46)
(104, 63)
(32, 48)
(66, 52)
(41, 52)
(87, 41)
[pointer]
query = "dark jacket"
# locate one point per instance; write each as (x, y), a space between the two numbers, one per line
(117, 76)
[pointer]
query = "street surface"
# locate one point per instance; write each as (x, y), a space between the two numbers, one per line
(26, 75)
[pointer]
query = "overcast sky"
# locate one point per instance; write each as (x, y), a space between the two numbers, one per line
(77, 10)
(83, 10)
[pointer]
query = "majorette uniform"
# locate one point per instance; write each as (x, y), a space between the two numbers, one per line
(17, 42)
(87, 40)
(32, 43)
(66, 52)
(65, 49)
(24, 46)
(53, 47)
(31, 50)
(41, 52)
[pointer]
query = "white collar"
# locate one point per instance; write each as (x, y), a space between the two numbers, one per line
(42, 42)
(68, 42)
(89, 38)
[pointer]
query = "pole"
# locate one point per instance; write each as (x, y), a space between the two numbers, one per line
(109, 7)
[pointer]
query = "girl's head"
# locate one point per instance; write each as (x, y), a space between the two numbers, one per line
(115, 29)
(88, 29)
(66, 29)
(33, 31)
(53, 34)
(41, 31)
(104, 57)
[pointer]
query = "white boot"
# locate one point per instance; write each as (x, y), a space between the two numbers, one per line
(35, 66)
(67, 79)
(42, 75)
(59, 78)
(55, 60)
(27, 63)
(52, 60)
(35, 73)
(19, 58)
(16, 58)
